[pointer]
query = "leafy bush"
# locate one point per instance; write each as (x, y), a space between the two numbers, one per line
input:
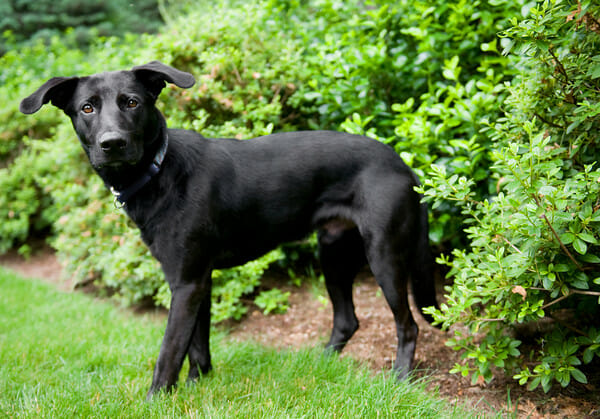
(26, 204)
(533, 247)
(42, 19)
(424, 76)
(245, 65)
(457, 63)
(273, 301)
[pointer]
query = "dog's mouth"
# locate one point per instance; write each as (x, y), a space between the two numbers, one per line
(116, 164)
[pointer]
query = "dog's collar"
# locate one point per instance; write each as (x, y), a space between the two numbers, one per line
(122, 196)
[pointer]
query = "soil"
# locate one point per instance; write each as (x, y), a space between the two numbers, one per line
(308, 321)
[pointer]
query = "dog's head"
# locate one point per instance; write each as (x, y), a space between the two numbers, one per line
(113, 113)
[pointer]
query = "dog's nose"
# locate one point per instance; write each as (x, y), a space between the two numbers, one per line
(112, 142)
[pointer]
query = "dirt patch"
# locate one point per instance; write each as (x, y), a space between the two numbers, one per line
(308, 322)
(41, 264)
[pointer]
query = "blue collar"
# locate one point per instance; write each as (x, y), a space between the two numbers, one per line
(124, 195)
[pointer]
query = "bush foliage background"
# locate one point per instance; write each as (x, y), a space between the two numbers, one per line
(533, 250)
(85, 20)
(495, 104)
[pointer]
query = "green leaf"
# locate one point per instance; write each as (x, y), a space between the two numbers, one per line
(547, 283)
(588, 355)
(581, 281)
(546, 383)
(512, 350)
(594, 72)
(533, 384)
(563, 378)
(580, 246)
(567, 238)
(588, 238)
(579, 376)
(590, 258)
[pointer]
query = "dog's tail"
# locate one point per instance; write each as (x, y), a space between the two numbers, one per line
(422, 278)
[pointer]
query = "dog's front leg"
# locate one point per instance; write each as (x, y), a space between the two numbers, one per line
(186, 302)
(199, 352)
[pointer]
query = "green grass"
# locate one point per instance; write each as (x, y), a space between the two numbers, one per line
(69, 355)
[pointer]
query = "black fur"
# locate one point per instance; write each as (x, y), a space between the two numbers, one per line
(218, 203)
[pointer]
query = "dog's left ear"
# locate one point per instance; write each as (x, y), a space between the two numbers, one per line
(154, 75)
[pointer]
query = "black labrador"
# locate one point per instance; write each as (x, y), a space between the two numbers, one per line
(206, 203)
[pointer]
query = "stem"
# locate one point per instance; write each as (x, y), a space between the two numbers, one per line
(545, 121)
(592, 293)
(238, 77)
(558, 300)
(562, 297)
(561, 68)
(531, 163)
(511, 245)
(562, 246)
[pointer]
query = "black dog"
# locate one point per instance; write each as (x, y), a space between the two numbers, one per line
(214, 203)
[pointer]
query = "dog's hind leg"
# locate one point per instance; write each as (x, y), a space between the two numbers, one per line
(391, 274)
(341, 253)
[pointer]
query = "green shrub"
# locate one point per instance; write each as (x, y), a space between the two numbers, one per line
(363, 58)
(273, 301)
(27, 207)
(43, 19)
(460, 73)
(424, 76)
(448, 128)
(533, 247)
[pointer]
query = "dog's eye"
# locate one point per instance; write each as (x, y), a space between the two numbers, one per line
(87, 108)
(132, 103)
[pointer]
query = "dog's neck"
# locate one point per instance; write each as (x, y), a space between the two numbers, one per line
(125, 182)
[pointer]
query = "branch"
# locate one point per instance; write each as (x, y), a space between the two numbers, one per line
(562, 246)
(562, 297)
(501, 319)
(545, 121)
(592, 293)
(561, 68)
(558, 300)
(555, 234)
(510, 244)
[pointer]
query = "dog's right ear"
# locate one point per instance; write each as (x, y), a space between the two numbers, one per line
(58, 90)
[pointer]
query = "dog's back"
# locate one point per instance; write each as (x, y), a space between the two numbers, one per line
(291, 183)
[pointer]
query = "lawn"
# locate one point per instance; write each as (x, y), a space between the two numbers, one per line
(70, 355)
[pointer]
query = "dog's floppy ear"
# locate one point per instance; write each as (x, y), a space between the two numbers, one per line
(59, 90)
(154, 75)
